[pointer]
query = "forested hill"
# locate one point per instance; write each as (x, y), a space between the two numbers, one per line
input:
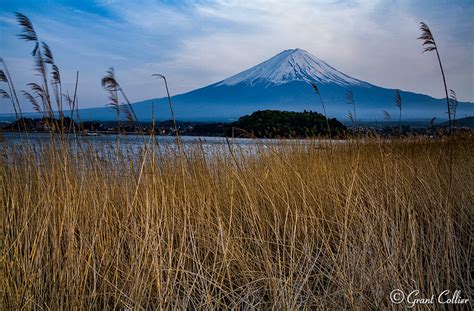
(286, 124)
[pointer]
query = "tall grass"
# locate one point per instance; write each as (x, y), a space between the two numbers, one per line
(285, 226)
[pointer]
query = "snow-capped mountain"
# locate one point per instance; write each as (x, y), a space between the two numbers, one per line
(282, 83)
(290, 66)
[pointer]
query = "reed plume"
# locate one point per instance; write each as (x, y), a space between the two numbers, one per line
(128, 114)
(160, 76)
(398, 103)
(431, 123)
(32, 100)
(28, 31)
(6, 78)
(3, 77)
(6, 95)
(351, 101)
(351, 117)
(41, 57)
(109, 83)
(430, 45)
(316, 90)
(57, 89)
(73, 103)
(454, 104)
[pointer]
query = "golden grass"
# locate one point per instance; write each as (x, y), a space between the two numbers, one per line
(330, 226)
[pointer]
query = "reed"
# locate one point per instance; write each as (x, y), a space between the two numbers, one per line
(429, 44)
(285, 226)
(453, 100)
(316, 90)
(110, 84)
(399, 105)
(352, 114)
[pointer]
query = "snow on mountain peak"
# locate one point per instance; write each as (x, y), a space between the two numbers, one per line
(292, 65)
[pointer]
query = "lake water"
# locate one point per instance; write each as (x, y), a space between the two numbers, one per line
(137, 142)
(106, 145)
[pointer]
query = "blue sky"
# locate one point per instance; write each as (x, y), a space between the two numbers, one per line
(195, 43)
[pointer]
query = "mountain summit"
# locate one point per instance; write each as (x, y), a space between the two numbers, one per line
(289, 66)
(283, 83)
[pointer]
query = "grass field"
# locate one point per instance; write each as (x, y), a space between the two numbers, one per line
(324, 225)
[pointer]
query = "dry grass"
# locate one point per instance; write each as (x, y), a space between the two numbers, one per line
(289, 227)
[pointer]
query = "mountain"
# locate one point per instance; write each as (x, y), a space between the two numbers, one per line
(282, 83)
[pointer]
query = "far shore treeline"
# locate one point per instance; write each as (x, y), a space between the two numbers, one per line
(261, 124)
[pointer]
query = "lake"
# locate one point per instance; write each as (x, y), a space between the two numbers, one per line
(136, 143)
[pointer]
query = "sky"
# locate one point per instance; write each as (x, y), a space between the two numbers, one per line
(196, 43)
